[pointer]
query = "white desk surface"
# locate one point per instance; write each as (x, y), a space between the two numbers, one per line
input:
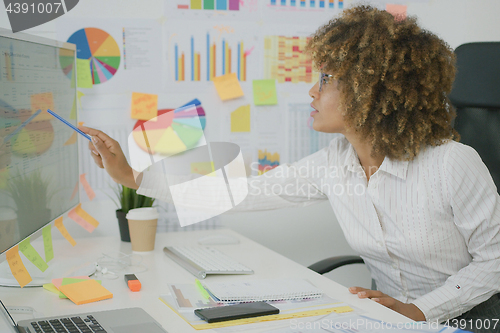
(163, 271)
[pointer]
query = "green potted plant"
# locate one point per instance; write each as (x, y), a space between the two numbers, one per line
(129, 199)
(31, 195)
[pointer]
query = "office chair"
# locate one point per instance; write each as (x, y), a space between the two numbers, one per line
(476, 97)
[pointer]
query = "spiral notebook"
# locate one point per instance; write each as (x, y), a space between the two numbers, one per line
(262, 290)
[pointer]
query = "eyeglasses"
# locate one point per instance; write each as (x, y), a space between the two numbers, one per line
(324, 79)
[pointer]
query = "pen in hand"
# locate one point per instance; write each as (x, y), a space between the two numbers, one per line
(68, 124)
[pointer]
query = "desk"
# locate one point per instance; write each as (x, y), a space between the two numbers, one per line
(163, 271)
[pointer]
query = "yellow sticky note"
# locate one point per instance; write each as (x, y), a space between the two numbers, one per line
(47, 243)
(62, 229)
(228, 86)
(30, 253)
(144, 106)
(398, 11)
(83, 218)
(85, 292)
(72, 114)
(240, 119)
(84, 76)
(72, 139)
(42, 102)
(17, 267)
(264, 92)
(50, 287)
(86, 186)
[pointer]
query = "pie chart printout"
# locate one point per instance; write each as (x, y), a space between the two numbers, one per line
(174, 131)
(100, 48)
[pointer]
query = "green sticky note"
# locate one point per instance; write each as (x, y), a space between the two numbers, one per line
(29, 252)
(84, 77)
(47, 243)
(66, 281)
(264, 92)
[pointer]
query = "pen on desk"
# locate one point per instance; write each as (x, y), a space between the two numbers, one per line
(201, 289)
(68, 124)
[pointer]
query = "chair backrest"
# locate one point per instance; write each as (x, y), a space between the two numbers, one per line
(476, 96)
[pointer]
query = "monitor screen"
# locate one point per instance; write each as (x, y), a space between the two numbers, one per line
(38, 154)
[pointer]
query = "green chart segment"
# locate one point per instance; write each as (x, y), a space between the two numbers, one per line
(100, 49)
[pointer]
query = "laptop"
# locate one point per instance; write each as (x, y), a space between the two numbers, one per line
(130, 320)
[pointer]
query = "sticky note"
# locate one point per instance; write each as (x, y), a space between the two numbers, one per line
(240, 119)
(72, 114)
(17, 267)
(144, 106)
(50, 287)
(84, 76)
(30, 253)
(42, 102)
(66, 281)
(75, 190)
(86, 186)
(47, 243)
(72, 139)
(85, 292)
(398, 11)
(228, 86)
(264, 92)
(62, 229)
(83, 218)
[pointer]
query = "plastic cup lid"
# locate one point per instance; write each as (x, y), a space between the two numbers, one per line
(149, 213)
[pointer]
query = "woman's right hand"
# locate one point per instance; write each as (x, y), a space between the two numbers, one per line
(108, 155)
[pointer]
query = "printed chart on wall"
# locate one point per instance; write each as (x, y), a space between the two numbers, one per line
(214, 10)
(116, 55)
(210, 50)
(303, 10)
(302, 140)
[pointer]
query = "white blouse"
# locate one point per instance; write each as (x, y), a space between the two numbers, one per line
(427, 229)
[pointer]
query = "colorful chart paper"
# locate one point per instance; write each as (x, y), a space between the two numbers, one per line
(17, 267)
(62, 229)
(100, 49)
(173, 131)
(144, 106)
(42, 102)
(228, 86)
(240, 119)
(30, 253)
(267, 161)
(264, 92)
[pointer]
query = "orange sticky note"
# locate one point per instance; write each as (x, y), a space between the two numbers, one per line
(86, 186)
(42, 102)
(85, 292)
(72, 139)
(83, 218)
(17, 267)
(398, 11)
(144, 106)
(62, 229)
(228, 86)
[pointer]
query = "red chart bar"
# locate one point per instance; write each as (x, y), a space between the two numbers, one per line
(182, 6)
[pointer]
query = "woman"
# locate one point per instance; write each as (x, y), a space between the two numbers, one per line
(419, 207)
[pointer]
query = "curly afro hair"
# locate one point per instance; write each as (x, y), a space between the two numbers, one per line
(394, 76)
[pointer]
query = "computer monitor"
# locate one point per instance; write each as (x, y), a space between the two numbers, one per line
(39, 166)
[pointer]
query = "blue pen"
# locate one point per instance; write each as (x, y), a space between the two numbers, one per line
(69, 124)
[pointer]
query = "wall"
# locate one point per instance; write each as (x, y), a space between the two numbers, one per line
(306, 234)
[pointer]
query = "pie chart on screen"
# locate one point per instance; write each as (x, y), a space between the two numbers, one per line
(101, 49)
(174, 131)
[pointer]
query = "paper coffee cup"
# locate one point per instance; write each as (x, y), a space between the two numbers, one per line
(142, 224)
(8, 222)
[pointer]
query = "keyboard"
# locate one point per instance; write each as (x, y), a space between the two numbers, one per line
(70, 325)
(203, 260)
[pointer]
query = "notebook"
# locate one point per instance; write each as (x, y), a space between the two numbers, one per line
(262, 290)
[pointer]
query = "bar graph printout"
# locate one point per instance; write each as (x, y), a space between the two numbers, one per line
(220, 10)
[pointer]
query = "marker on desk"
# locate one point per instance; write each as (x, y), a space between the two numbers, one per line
(201, 289)
(68, 124)
(133, 283)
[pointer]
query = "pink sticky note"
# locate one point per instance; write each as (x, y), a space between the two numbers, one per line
(398, 11)
(86, 186)
(80, 220)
